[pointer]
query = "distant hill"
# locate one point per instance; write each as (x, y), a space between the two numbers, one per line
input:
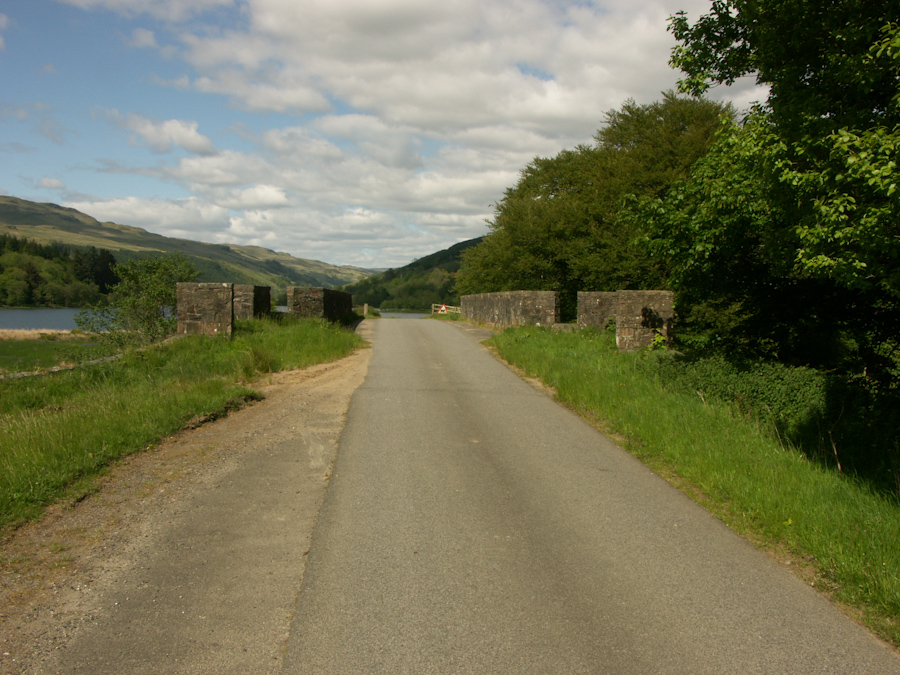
(50, 223)
(417, 286)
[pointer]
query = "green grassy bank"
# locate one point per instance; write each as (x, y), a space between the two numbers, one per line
(59, 431)
(737, 466)
(17, 356)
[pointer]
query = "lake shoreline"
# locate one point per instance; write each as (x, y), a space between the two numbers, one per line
(33, 333)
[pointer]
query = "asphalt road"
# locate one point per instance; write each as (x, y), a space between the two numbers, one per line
(472, 525)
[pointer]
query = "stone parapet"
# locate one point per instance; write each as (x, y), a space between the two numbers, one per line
(322, 303)
(596, 308)
(205, 309)
(252, 301)
(512, 308)
(640, 315)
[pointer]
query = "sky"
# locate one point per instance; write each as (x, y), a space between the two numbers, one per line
(355, 132)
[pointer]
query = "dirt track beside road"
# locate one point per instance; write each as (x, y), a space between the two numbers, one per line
(167, 531)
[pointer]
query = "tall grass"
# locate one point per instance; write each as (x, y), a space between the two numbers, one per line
(748, 475)
(24, 353)
(60, 429)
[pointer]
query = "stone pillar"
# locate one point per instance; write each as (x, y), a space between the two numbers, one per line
(320, 303)
(641, 316)
(205, 309)
(252, 301)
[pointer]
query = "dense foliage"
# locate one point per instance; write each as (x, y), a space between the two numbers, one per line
(559, 228)
(142, 305)
(801, 202)
(426, 281)
(51, 275)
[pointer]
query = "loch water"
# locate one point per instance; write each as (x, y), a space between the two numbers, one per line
(39, 318)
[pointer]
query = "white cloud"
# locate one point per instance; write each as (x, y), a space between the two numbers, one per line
(51, 184)
(142, 38)
(256, 197)
(226, 169)
(372, 132)
(441, 66)
(166, 135)
(187, 218)
(276, 92)
(4, 24)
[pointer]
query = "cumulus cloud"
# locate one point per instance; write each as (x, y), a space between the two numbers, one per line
(166, 135)
(142, 38)
(443, 66)
(187, 218)
(371, 133)
(255, 197)
(51, 184)
(4, 23)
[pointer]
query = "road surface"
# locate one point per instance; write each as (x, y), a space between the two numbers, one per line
(472, 525)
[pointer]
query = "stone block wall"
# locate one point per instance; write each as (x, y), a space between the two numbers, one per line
(205, 309)
(323, 303)
(512, 308)
(251, 301)
(595, 309)
(639, 315)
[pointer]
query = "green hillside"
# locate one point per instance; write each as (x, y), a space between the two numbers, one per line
(50, 223)
(417, 286)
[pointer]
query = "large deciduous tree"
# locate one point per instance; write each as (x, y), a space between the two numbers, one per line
(788, 233)
(559, 228)
(833, 113)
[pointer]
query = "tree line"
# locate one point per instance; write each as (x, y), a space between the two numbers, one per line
(52, 275)
(778, 228)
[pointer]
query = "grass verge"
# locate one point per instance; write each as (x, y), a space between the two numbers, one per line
(60, 430)
(22, 352)
(761, 487)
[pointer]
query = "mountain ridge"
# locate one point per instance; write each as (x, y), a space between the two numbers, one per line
(428, 280)
(49, 223)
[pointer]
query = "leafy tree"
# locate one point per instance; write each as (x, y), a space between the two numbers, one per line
(33, 281)
(729, 240)
(559, 228)
(832, 118)
(790, 229)
(98, 267)
(142, 304)
(33, 274)
(815, 55)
